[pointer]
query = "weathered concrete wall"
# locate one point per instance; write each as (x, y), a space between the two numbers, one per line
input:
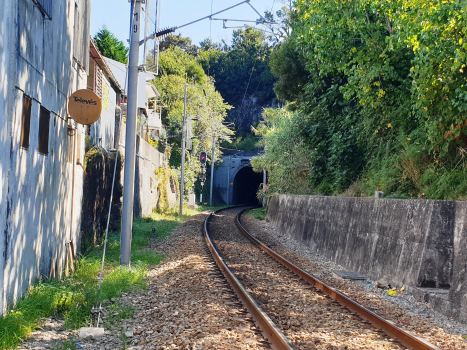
(419, 243)
(41, 194)
(148, 159)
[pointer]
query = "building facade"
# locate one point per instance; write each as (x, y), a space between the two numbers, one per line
(44, 58)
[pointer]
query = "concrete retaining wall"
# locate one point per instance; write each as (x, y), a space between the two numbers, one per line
(419, 243)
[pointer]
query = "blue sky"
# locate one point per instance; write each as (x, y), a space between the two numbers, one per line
(115, 14)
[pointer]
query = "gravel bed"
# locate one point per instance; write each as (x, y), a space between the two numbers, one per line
(413, 315)
(309, 319)
(187, 305)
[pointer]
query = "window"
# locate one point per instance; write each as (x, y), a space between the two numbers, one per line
(44, 121)
(46, 7)
(26, 121)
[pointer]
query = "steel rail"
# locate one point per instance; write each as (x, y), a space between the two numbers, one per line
(275, 337)
(407, 338)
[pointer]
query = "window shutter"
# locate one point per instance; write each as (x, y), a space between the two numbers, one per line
(26, 121)
(44, 121)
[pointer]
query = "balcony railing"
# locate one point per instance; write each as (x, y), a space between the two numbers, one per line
(46, 7)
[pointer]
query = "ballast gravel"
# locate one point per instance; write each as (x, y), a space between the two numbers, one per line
(188, 304)
(309, 319)
(415, 316)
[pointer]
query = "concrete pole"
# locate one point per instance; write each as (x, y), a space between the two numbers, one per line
(130, 140)
(212, 168)
(182, 176)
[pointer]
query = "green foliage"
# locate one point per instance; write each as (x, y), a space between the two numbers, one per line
(110, 46)
(248, 142)
(178, 42)
(383, 104)
(287, 160)
(289, 66)
(179, 69)
(259, 213)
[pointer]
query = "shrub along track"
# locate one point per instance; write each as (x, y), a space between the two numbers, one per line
(307, 317)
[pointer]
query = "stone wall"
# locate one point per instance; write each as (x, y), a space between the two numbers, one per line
(419, 243)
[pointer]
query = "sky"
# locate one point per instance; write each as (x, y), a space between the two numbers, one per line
(115, 15)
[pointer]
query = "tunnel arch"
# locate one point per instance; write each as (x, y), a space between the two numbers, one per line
(245, 185)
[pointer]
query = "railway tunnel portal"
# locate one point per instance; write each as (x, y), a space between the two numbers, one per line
(235, 182)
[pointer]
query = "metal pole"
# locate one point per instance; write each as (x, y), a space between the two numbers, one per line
(212, 167)
(130, 140)
(264, 186)
(145, 52)
(228, 181)
(182, 176)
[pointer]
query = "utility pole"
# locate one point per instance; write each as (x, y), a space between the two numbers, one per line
(182, 175)
(130, 140)
(212, 167)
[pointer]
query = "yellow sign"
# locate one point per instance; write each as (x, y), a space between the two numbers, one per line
(85, 107)
(105, 96)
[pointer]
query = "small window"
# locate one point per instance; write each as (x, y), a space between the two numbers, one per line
(44, 122)
(26, 121)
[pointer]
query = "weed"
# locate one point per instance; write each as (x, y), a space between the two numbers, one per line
(118, 313)
(259, 213)
(69, 344)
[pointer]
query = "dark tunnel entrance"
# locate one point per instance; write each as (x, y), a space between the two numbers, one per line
(245, 186)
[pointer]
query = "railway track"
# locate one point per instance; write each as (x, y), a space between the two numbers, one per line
(293, 309)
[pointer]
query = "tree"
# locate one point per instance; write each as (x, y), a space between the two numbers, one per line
(288, 65)
(178, 68)
(110, 46)
(178, 42)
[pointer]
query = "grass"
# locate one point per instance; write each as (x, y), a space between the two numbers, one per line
(72, 298)
(259, 213)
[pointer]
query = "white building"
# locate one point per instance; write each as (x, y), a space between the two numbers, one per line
(152, 126)
(102, 81)
(44, 58)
